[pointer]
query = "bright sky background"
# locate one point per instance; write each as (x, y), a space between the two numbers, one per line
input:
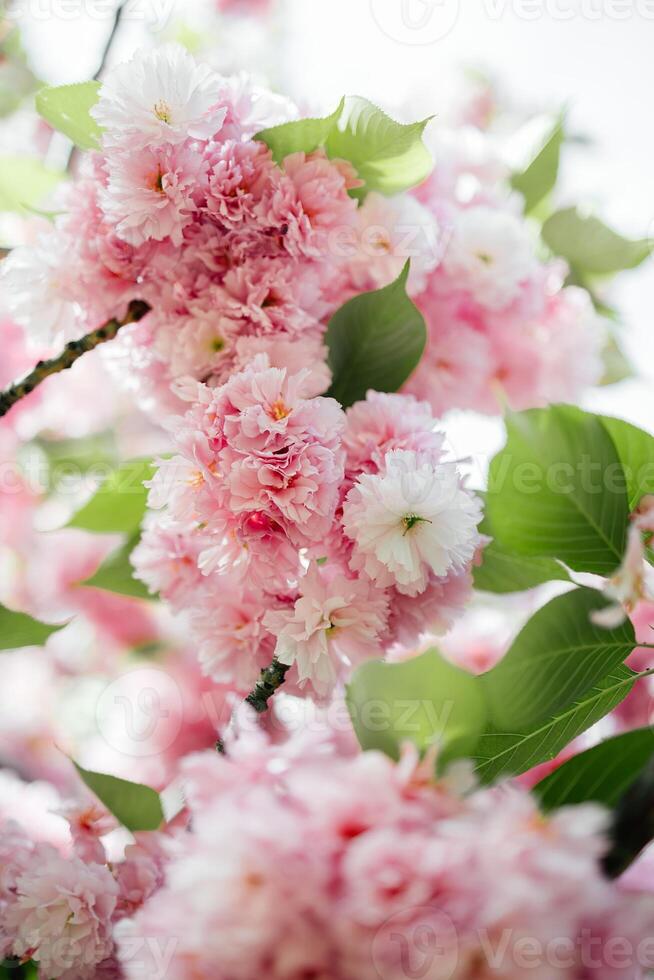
(595, 56)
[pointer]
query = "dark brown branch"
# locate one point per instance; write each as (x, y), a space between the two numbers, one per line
(270, 680)
(69, 355)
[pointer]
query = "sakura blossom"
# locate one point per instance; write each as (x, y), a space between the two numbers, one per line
(161, 96)
(335, 618)
(355, 843)
(632, 583)
(61, 914)
(412, 519)
(306, 550)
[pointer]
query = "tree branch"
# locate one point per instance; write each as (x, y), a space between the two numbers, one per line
(270, 680)
(71, 353)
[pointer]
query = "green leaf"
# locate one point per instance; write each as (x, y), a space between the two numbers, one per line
(539, 178)
(302, 135)
(501, 572)
(556, 658)
(136, 806)
(67, 109)
(425, 700)
(616, 366)
(14, 969)
(561, 675)
(120, 504)
(24, 182)
(502, 754)
(375, 341)
(632, 827)
(602, 774)
(116, 574)
(590, 246)
(19, 630)
(389, 156)
(635, 447)
(557, 490)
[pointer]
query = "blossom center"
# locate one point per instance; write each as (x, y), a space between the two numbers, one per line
(155, 180)
(162, 111)
(279, 411)
(410, 520)
(196, 480)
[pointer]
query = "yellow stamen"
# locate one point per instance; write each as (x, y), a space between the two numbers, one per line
(279, 411)
(162, 111)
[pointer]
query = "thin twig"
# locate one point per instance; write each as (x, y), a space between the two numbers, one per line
(104, 58)
(120, 9)
(69, 355)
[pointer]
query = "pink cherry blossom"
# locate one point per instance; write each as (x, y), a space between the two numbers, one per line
(152, 194)
(61, 915)
(160, 96)
(412, 518)
(336, 623)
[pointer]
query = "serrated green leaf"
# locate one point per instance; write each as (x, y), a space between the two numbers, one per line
(116, 574)
(390, 157)
(539, 178)
(557, 491)
(120, 503)
(504, 754)
(20, 630)
(600, 774)
(561, 675)
(67, 109)
(25, 182)
(375, 341)
(301, 135)
(425, 700)
(136, 806)
(635, 447)
(558, 656)
(590, 246)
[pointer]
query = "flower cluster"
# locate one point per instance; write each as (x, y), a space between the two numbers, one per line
(288, 527)
(185, 209)
(60, 899)
(502, 328)
(302, 862)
